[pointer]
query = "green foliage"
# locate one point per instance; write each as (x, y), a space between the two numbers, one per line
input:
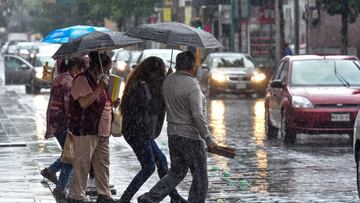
(48, 16)
(336, 7)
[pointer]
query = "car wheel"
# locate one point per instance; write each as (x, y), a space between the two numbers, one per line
(288, 136)
(270, 130)
(32, 88)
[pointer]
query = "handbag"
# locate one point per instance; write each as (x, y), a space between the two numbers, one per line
(116, 123)
(67, 154)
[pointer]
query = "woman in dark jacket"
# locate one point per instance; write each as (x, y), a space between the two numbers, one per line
(143, 110)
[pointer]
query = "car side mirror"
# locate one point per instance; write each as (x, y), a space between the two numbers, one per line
(277, 84)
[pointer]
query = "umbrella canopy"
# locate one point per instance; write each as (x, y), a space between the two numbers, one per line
(175, 33)
(95, 41)
(65, 35)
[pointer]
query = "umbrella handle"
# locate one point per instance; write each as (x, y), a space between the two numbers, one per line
(101, 66)
(170, 70)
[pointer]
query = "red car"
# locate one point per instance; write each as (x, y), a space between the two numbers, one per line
(313, 94)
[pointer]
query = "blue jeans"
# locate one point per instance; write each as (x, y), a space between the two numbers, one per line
(65, 169)
(149, 154)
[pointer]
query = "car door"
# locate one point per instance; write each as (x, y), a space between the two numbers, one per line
(276, 94)
(17, 70)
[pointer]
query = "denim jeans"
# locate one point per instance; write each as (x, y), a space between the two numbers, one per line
(184, 154)
(149, 154)
(65, 169)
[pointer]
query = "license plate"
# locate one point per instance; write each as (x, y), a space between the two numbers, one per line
(240, 86)
(340, 117)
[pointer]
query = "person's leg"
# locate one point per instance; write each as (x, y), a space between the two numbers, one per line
(84, 147)
(143, 151)
(100, 163)
(162, 167)
(56, 166)
(198, 168)
(175, 175)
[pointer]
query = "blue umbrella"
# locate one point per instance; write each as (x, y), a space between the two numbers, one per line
(65, 35)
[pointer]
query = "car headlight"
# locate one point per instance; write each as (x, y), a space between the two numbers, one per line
(258, 77)
(301, 102)
(39, 75)
(219, 77)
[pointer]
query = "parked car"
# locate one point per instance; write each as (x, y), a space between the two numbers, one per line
(226, 72)
(164, 54)
(313, 94)
(19, 71)
(123, 61)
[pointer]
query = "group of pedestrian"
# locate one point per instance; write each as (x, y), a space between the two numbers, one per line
(80, 105)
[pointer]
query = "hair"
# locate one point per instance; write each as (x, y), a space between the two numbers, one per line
(185, 60)
(95, 60)
(76, 61)
(152, 71)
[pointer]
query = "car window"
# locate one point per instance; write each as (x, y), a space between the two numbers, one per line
(328, 73)
(122, 56)
(278, 71)
(284, 72)
(232, 61)
(12, 63)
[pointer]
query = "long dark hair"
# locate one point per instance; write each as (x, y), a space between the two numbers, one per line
(151, 71)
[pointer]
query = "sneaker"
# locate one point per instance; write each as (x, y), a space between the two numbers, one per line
(143, 199)
(104, 199)
(49, 175)
(59, 194)
(178, 200)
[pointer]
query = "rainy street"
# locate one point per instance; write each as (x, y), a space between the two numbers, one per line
(316, 169)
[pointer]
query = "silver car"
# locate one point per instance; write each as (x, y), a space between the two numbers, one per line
(226, 72)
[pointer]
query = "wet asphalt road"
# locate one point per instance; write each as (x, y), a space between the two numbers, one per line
(316, 169)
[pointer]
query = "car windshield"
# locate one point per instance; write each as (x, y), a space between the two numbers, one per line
(233, 61)
(325, 73)
(123, 55)
(40, 61)
(134, 56)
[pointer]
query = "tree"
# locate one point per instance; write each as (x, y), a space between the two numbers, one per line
(349, 11)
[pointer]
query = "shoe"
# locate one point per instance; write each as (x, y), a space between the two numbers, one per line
(104, 199)
(143, 198)
(59, 194)
(178, 200)
(49, 175)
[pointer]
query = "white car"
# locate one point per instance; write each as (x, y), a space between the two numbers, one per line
(164, 54)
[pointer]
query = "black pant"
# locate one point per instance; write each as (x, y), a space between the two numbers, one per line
(184, 154)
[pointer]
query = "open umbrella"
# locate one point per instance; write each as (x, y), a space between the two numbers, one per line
(95, 41)
(175, 33)
(65, 35)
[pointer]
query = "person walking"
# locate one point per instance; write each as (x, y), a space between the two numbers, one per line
(57, 123)
(187, 130)
(143, 110)
(90, 123)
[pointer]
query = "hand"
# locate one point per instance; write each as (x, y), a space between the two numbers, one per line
(104, 82)
(116, 103)
(212, 147)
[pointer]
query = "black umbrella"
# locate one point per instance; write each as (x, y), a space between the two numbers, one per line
(175, 33)
(95, 41)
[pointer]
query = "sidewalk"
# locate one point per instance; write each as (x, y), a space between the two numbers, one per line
(24, 152)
